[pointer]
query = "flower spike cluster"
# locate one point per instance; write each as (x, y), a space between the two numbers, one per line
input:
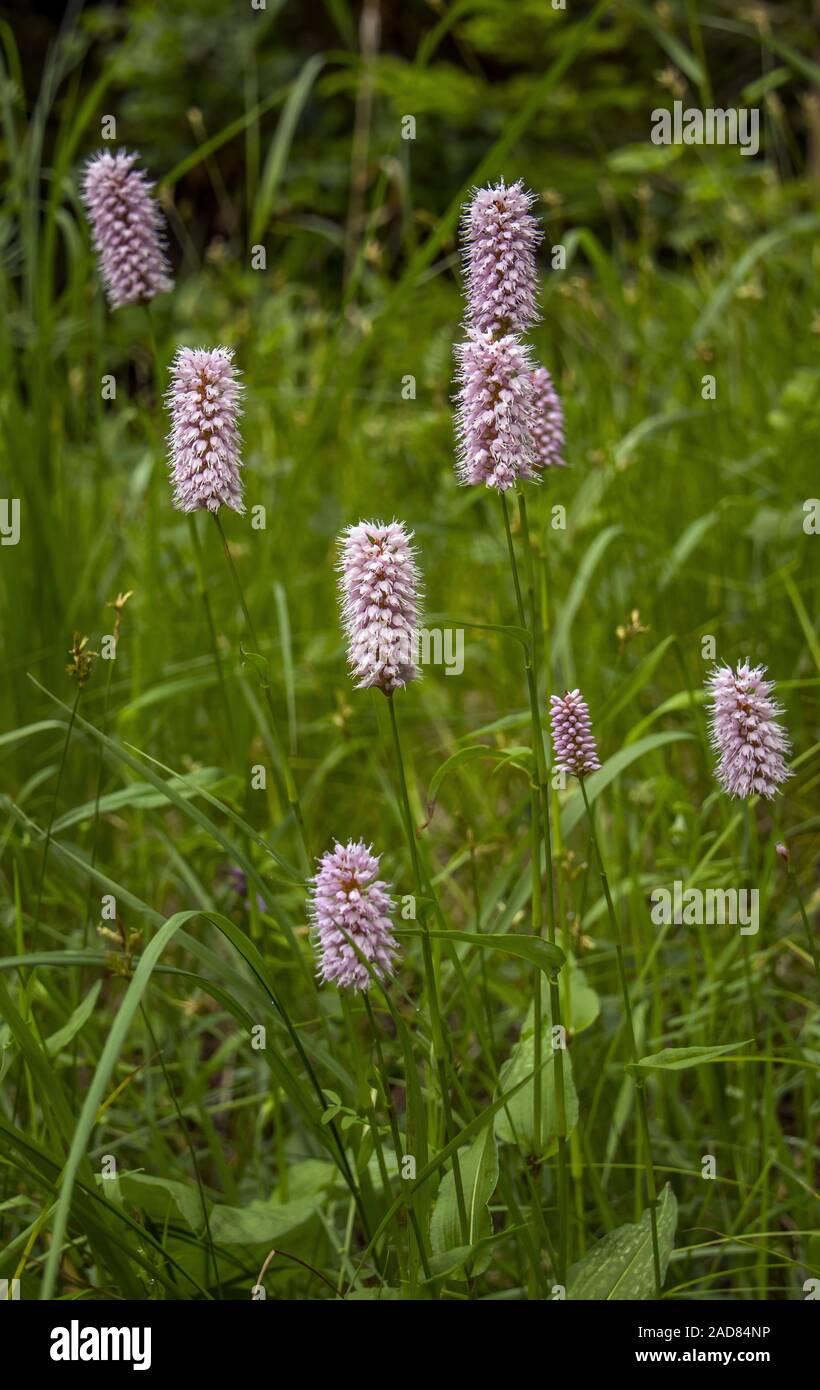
(750, 742)
(572, 737)
(205, 447)
(128, 229)
(509, 421)
(379, 588)
(350, 904)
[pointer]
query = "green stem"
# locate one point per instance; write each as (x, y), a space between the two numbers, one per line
(206, 604)
(543, 827)
(429, 969)
(806, 923)
(289, 785)
(381, 1078)
(652, 1195)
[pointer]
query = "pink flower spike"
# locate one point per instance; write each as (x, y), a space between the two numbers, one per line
(204, 441)
(348, 901)
(750, 742)
(379, 591)
(494, 416)
(572, 737)
(499, 260)
(547, 422)
(128, 229)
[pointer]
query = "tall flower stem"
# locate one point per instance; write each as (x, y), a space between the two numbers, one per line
(542, 829)
(633, 1047)
(807, 925)
(423, 889)
(209, 617)
(283, 766)
(381, 1077)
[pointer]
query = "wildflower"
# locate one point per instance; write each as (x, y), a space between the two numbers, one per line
(379, 591)
(572, 737)
(493, 422)
(546, 422)
(204, 440)
(501, 235)
(128, 230)
(350, 904)
(745, 731)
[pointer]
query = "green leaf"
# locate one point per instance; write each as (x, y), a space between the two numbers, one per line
(259, 1222)
(152, 1196)
(688, 541)
(612, 768)
(520, 634)
(78, 1019)
(635, 681)
(534, 949)
(677, 1058)
(479, 1176)
(467, 755)
(621, 1266)
(280, 148)
(514, 1124)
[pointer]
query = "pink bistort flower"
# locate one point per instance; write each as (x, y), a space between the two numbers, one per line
(349, 901)
(546, 421)
(204, 441)
(572, 736)
(501, 235)
(494, 417)
(379, 590)
(745, 732)
(128, 229)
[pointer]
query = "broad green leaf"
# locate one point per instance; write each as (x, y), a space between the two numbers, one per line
(677, 1058)
(514, 1124)
(259, 1222)
(155, 1197)
(584, 1004)
(621, 1266)
(479, 1176)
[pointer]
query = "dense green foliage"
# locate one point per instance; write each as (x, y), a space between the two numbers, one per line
(132, 1037)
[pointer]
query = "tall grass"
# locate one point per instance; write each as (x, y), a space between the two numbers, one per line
(185, 1037)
